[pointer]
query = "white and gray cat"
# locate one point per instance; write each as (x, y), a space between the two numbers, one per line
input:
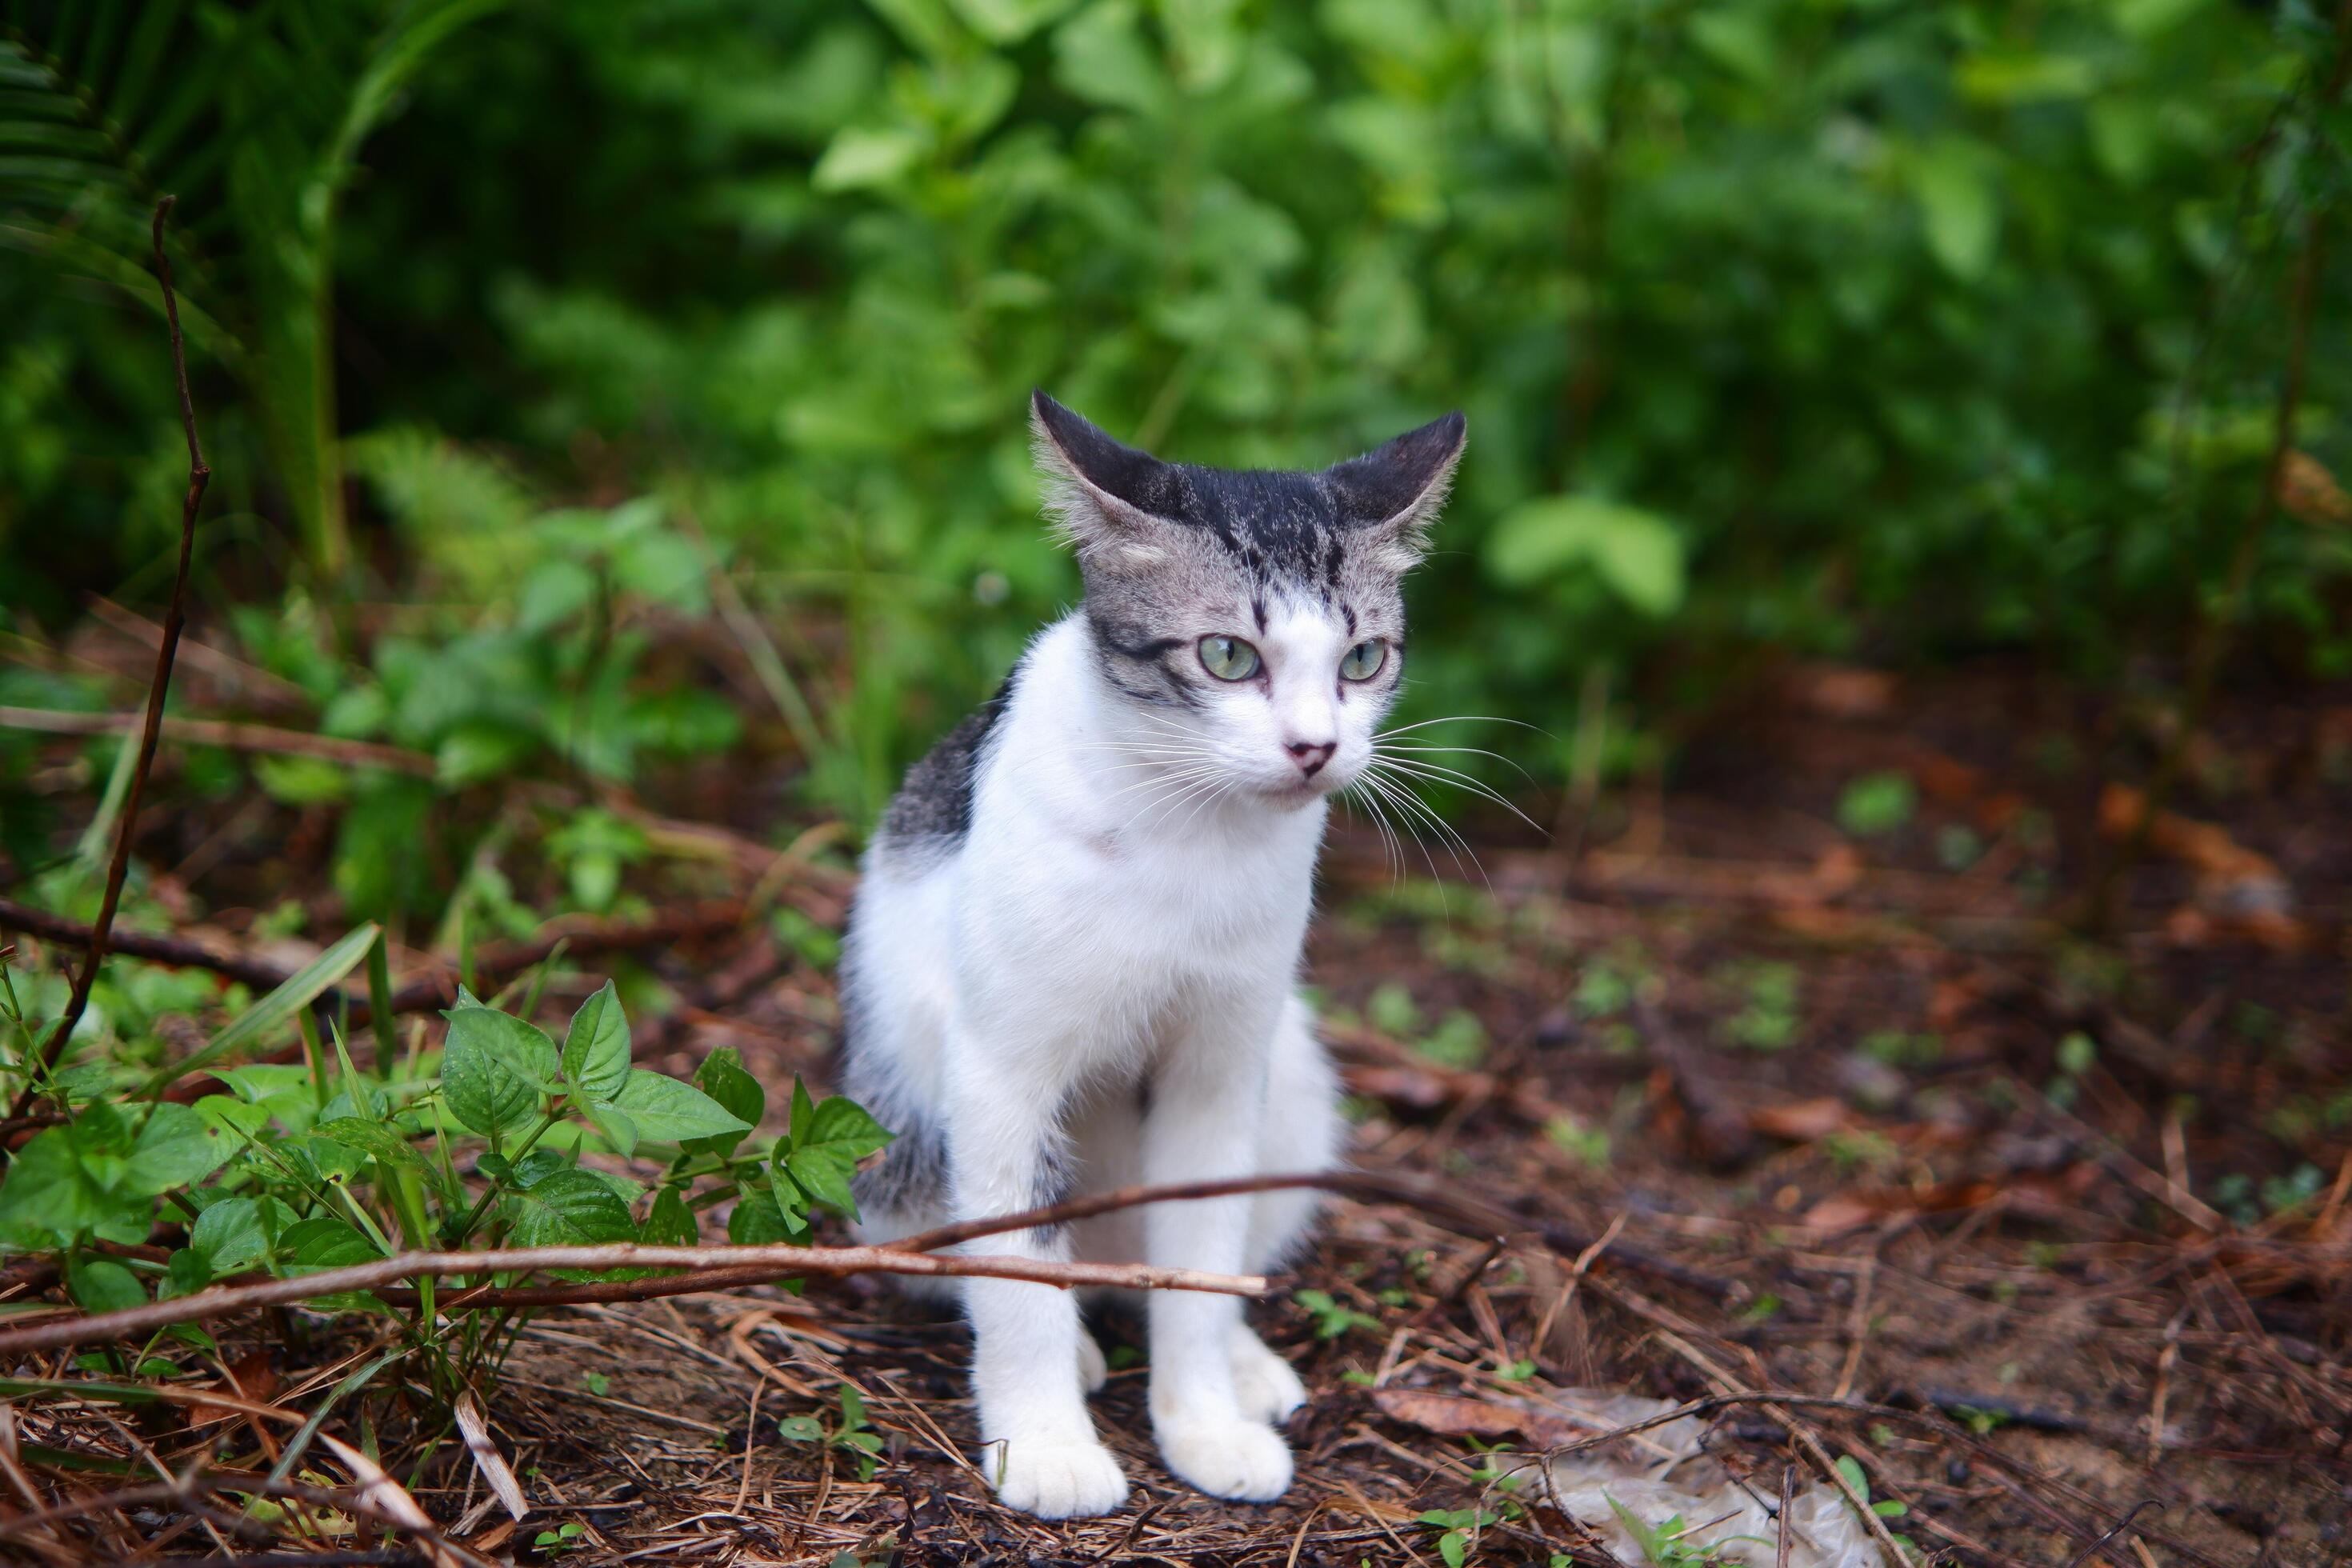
(1074, 958)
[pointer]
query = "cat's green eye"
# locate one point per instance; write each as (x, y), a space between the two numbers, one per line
(1228, 659)
(1364, 660)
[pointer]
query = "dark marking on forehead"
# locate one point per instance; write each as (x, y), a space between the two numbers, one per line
(1282, 528)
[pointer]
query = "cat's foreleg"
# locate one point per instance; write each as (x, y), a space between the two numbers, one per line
(1207, 1105)
(1038, 1447)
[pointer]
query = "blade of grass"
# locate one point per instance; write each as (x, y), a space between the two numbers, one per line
(269, 1015)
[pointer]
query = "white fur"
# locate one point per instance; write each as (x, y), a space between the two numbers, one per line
(1127, 910)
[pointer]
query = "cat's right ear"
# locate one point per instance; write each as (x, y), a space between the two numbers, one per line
(1111, 502)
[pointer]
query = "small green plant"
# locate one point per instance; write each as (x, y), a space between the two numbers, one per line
(2076, 1055)
(1957, 847)
(850, 1435)
(567, 1537)
(1457, 1530)
(1458, 1041)
(1601, 991)
(1331, 1318)
(1580, 1140)
(1768, 1018)
(596, 1382)
(1849, 1470)
(1663, 1545)
(1898, 1048)
(1877, 804)
(314, 1165)
(1390, 1010)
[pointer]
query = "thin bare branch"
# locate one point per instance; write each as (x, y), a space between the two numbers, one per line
(225, 1300)
(151, 732)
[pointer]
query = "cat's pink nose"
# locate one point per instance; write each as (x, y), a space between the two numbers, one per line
(1310, 756)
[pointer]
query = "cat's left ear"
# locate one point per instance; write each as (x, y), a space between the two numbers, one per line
(1394, 492)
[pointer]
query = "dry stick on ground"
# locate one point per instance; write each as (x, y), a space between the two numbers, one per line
(493, 964)
(150, 732)
(225, 1300)
(229, 735)
(1465, 1215)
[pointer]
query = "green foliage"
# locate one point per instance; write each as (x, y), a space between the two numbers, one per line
(1666, 1545)
(302, 1167)
(1877, 804)
(1808, 328)
(850, 1435)
(1457, 1530)
(1332, 1320)
(1768, 1018)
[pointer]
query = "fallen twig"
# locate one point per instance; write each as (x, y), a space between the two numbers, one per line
(150, 731)
(493, 964)
(229, 735)
(225, 1300)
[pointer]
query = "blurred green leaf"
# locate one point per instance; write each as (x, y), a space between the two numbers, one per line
(1636, 553)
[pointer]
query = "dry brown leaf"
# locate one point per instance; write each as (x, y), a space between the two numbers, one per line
(487, 1458)
(388, 1498)
(1457, 1415)
(2309, 493)
(1842, 691)
(253, 1377)
(1408, 1087)
(1806, 1120)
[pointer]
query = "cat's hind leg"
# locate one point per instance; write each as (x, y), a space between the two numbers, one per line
(1303, 1132)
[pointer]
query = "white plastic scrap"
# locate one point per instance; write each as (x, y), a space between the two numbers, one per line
(1665, 1475)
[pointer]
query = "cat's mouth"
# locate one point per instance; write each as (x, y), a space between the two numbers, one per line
(1297, 792)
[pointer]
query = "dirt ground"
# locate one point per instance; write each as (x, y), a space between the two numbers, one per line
(1785, 1107)
(1792, 1088)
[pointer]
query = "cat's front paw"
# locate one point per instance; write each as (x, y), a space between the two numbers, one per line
(1228, 1458)
(1264, 1385)
(1057, 1480)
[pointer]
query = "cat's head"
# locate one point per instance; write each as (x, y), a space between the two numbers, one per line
(1256, 617)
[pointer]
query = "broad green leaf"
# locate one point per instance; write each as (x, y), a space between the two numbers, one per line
(49, 1198)
(1959, 206)
(596, 1048)
(670, 1223)
(495, 1069)
(569, 1208)
(274, 1013)
(861, 157)
(1637, 553)
(480, 750)
(534, 1167)
(186, 1272)
(372, 1138)
(665, 1110)
(177, 1146)
(619, 1130)
(313, 1245)
(231, 1235)
(103, 1285)
(1102, 56)
(1002, 22)
(757, 1221)
(233, 1117)
(735, 1091)
(841, 1125)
